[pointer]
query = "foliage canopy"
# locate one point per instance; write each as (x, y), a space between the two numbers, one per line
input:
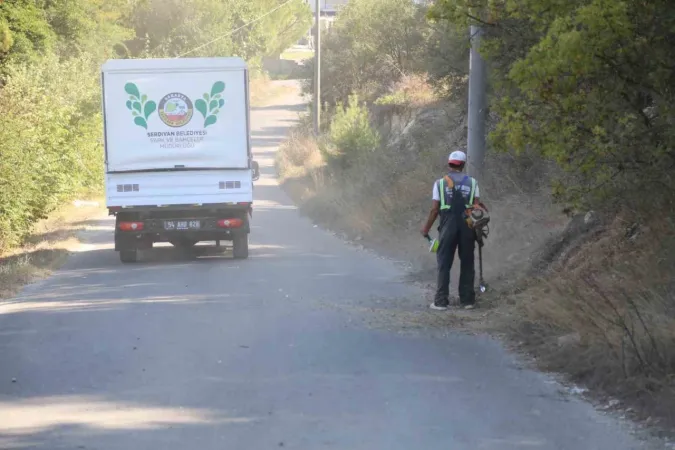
(588, 83)
(50, 56)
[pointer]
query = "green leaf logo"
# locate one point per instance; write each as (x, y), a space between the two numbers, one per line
(211, 103)
(210, 120)
(141, 122)
(218, 88)
(138, 104)
(201, 107)
(132, 90)
(149, 108)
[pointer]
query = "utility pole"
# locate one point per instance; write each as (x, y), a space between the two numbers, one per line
(477, 107)
(317, 70)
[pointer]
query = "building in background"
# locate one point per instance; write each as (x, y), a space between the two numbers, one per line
(328, 7)
(332, 7)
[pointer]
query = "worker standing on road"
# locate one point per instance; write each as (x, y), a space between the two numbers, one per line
(452, 196)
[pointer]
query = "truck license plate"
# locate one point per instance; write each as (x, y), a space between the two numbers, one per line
(182, 224)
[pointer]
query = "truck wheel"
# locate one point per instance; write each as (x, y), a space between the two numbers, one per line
(129, 256)
(240, 247)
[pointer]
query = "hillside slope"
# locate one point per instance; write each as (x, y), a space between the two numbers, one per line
(384, 199)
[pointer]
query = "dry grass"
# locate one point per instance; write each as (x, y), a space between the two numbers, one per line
(605, 315)
(297, 55)
(385, 196)
(300, 156)
(411, 90)
(45, 250)
(264, 91)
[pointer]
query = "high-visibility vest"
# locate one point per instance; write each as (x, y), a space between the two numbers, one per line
(451, 185)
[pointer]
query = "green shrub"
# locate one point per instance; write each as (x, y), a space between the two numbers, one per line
(51, 141)
(350, 134)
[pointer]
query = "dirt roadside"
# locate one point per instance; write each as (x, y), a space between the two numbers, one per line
(49, 245)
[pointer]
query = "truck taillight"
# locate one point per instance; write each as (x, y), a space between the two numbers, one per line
(131, 226)
(230, 223)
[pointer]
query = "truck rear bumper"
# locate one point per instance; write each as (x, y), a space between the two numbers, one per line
(133, 231)
(124, 240)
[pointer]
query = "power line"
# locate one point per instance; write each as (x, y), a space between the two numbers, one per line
(240, 28)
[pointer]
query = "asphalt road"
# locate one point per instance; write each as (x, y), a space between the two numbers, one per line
(279, 351)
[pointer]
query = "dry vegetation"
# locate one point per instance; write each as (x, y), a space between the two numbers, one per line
(46, 248)
(589, 295)
(264, 91)
(605, 313)
(384, 194)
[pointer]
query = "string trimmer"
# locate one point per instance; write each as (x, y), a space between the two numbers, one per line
(478, 218)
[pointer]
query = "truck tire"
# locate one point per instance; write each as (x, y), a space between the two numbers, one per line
(129, 256)
(240, 247)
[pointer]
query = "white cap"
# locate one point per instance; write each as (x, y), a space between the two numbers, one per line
(457, 158)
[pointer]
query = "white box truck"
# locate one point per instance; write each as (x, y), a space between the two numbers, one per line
(178, 159)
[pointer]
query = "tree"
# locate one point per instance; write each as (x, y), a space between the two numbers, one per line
(94, 27)
(587, 83)
(371, 45)
(50, 57)
(171, 27)
(25, 32)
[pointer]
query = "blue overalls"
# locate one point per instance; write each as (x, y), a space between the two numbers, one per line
(454, 233)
